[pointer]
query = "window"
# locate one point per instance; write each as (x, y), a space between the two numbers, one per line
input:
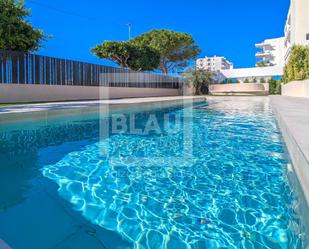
(307, 37)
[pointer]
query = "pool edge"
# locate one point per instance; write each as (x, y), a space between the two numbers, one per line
(299, 160)
(84, 107)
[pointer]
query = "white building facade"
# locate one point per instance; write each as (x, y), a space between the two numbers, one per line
(214, 64)
(296, 29)
(272, 52)
(276, 52)
(254, 74)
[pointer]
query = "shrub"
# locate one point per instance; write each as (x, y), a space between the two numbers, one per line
(262, 80)
(200, 79)
(246, 81)
(263, 64)
(298, 64)
(274, 86)
(230, 81)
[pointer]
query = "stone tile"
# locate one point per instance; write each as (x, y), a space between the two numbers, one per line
(293, 118)
(89, 237)
(36, 223)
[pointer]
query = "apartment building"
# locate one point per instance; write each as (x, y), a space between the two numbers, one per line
(214, 64)
(275, 52)
(296, 29)
(272, 52)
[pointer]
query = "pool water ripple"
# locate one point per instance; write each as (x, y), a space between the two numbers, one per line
(228, 190)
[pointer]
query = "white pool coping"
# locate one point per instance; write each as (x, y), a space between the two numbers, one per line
(21, 108)
(26, 111)
(293, 118)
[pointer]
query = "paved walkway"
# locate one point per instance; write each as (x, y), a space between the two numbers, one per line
(293, 117)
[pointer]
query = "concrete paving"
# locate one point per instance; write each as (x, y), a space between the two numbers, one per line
(293, 118)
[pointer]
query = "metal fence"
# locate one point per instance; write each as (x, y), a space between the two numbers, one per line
(24, 68)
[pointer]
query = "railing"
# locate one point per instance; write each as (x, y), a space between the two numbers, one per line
(23, 68)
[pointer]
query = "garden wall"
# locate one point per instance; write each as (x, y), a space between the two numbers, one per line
(296, 89)
(239, 89)
(27, 93)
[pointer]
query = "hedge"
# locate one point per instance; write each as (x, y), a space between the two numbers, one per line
(298, 64)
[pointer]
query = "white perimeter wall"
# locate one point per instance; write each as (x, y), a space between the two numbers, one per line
(296, 89)
(19, 93)
(239, 88)
(254, 72)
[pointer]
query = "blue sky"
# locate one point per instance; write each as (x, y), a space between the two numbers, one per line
(220, 27)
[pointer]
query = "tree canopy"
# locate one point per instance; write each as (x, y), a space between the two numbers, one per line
(129, 55)
(16, 33)
(176, 49)
(158, 49)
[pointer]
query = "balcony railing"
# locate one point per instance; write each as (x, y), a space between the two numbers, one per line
(264, 55)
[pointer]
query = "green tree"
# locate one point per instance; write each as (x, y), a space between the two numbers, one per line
(298, 64)
(237, 81)
(200, 79)
(229, 81)
(176, 49)
(129, 55)
(254, 80)
(262, 80)
(246, 80)
(16, 33)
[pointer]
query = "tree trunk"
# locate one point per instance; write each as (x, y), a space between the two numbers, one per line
(163, 68)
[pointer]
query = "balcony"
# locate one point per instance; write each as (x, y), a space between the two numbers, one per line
(264, 54)
(264, 46)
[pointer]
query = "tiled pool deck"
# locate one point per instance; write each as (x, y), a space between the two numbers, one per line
(293, 118)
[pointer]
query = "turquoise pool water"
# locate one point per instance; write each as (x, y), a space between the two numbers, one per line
(211, 175)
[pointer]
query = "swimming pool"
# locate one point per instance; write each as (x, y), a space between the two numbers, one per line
(211, 175)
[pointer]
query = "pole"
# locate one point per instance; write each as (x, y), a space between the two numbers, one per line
(129, 30)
